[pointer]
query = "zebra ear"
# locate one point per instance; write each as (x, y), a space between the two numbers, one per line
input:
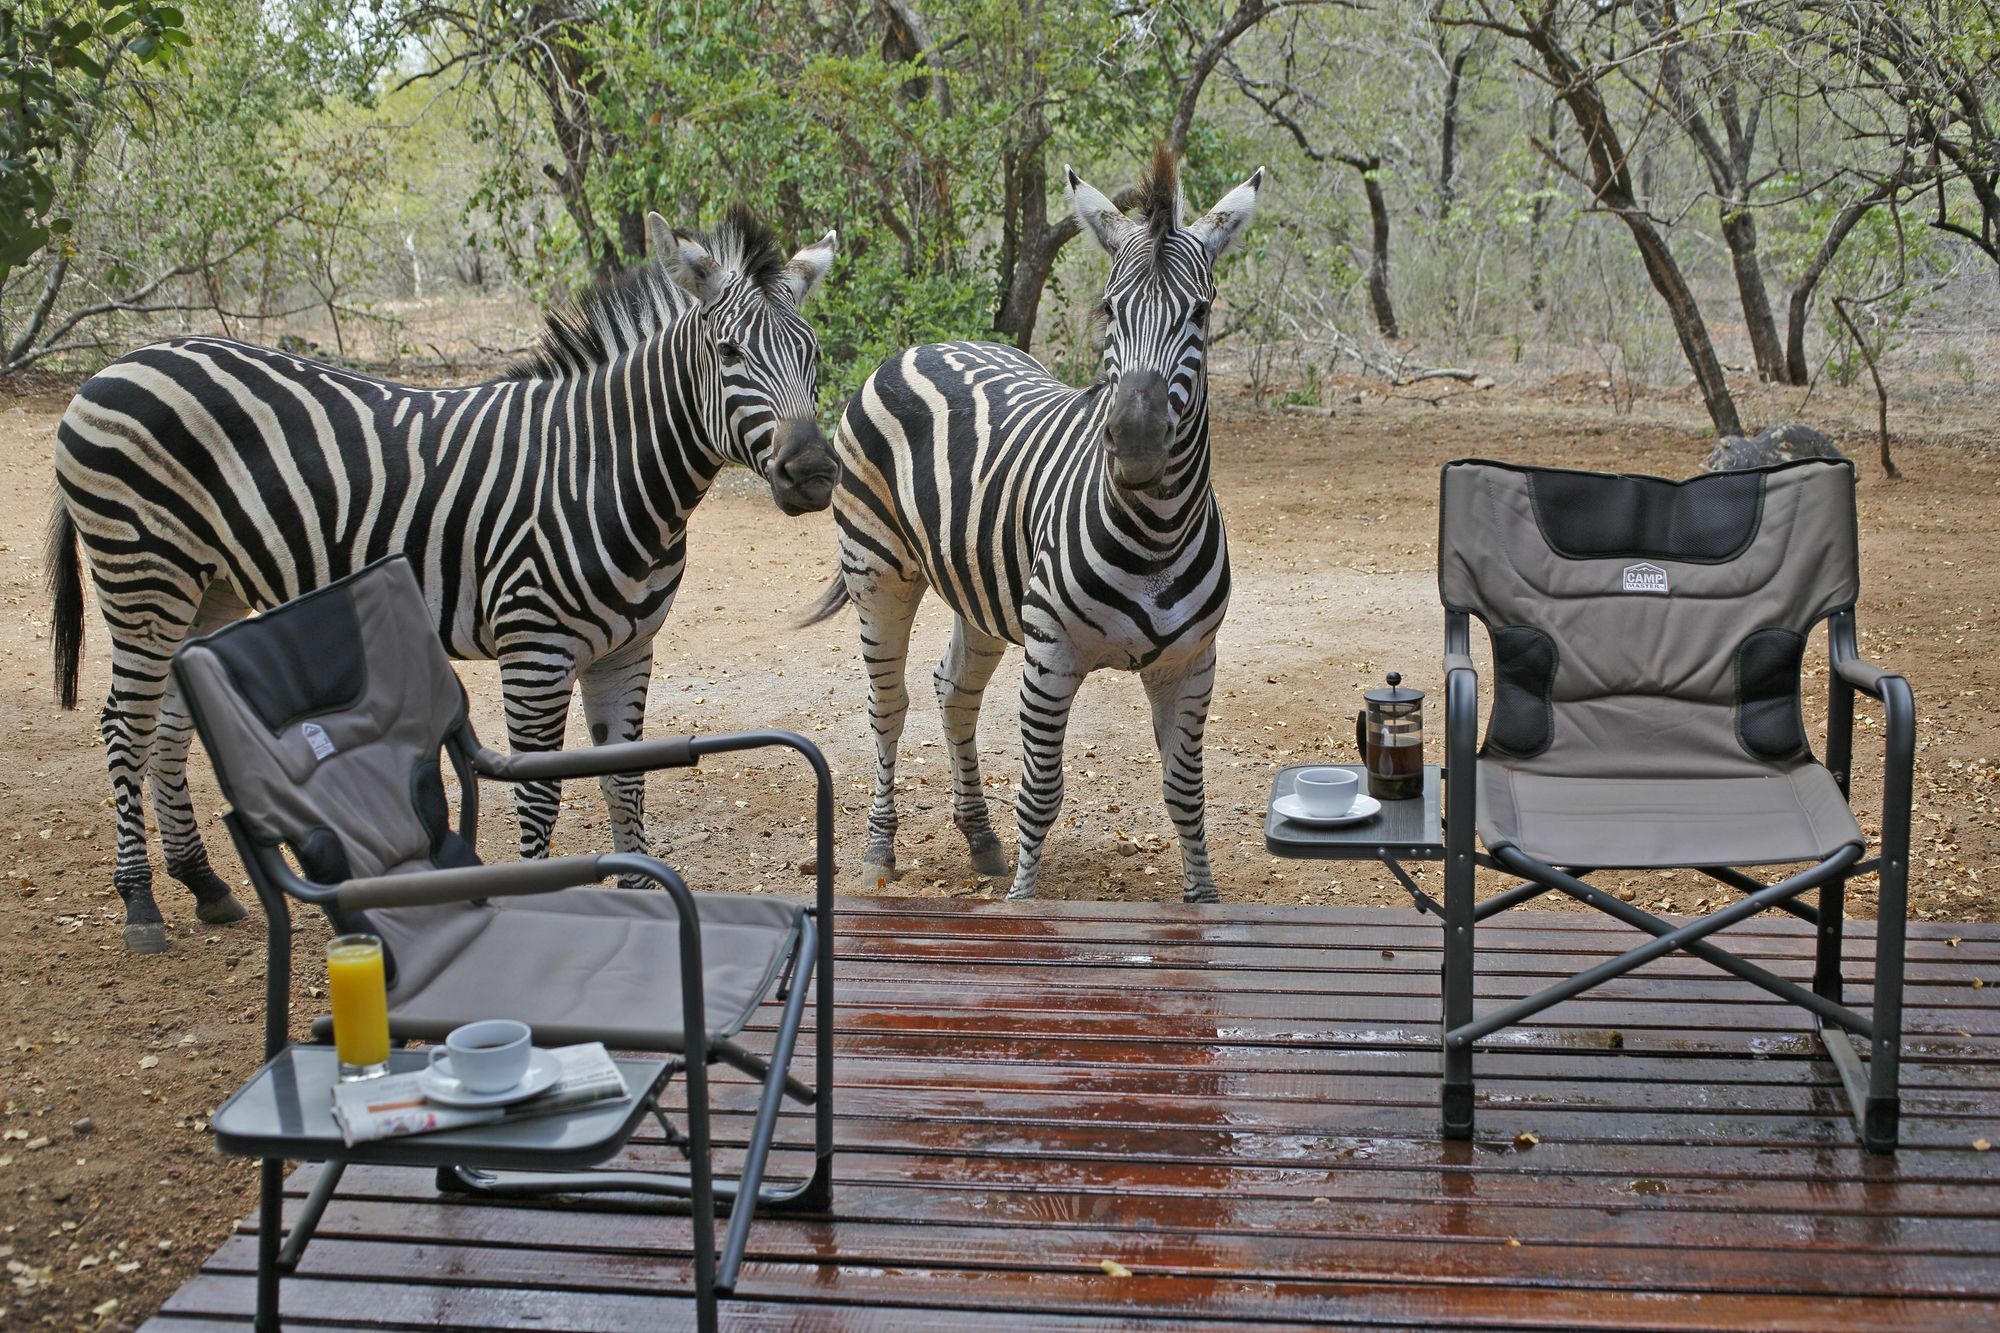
(687, 262)
(1218, 227)
(803, 271)
(1099, 216)
(659, 237)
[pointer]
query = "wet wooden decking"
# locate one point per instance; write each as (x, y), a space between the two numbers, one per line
(1237, 1106)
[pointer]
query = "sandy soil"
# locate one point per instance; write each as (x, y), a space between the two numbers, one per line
(110, 1064)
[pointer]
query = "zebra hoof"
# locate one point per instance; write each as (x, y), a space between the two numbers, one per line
(1208, 895)
(990, 860)
(219, 911)
(146, 937)
(875, 875)
(1018, 894)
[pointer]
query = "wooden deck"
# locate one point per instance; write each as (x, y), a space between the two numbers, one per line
(1237, 1106)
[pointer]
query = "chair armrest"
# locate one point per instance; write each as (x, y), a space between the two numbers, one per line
(1863, 676)
(427, 888)
(594, 761)
(1461, 731)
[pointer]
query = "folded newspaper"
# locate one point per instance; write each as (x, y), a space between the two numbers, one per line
(394, 1104)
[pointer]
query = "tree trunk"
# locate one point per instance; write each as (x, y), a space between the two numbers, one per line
(1688, 323)
(1739, 231)
(1611, 184)
(1844, 222)
(1378, 248)
(1027, 258)
(1448, 135)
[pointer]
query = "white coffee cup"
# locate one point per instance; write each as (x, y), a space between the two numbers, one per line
(1327, 792)
(488, 1056)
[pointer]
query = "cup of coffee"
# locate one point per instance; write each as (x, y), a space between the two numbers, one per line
(1327, 792)
(488, 1056)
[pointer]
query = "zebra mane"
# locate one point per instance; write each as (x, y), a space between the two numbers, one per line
(1160, 205)
(621, 313)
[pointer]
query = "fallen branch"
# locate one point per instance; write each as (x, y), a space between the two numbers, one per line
(1468, 376)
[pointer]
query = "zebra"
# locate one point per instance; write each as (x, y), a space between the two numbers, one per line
(1077, 523)
(545, 512)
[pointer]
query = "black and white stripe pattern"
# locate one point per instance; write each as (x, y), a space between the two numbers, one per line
(545, 512)
(1078, 523)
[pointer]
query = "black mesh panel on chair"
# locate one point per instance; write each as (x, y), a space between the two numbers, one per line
(1768, 719)
(298, 665)
(1589, 515)
(1524, 674)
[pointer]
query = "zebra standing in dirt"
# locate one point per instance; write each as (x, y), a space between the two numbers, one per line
(1078, 523)
(545, 512)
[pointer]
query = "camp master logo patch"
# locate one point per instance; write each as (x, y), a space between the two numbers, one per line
(1645, 578)
(315, 734)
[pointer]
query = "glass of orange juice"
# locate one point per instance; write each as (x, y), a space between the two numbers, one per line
(360, 1005)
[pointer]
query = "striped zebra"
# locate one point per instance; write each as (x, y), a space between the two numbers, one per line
(545, 512)
(1078, 523)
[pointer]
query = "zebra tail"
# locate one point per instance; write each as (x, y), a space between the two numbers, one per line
(830, 605)
(64, 574)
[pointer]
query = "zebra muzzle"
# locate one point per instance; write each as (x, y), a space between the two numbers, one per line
(1139, 430)
(803, 468)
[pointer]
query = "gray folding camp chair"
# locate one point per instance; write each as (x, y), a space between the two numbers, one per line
(1647, 639)
(324, 719)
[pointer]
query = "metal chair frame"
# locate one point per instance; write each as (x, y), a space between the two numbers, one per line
(810, 965)
(1871, 1086)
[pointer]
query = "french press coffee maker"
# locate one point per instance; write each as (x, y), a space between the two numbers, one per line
(1390, 735)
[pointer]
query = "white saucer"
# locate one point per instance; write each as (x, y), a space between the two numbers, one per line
(439, 1086)
(1364, 807)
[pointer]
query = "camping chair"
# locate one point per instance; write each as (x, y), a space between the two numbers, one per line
(1647, 640)
(324, 719)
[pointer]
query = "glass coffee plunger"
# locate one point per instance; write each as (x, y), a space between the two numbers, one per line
(1390, 735)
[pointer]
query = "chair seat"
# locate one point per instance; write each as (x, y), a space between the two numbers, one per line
(1655, 822)
(585, 965)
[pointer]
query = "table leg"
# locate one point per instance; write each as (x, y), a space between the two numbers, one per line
(270, 1227)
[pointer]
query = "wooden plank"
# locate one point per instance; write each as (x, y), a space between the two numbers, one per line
(1165, 916)
(1736, 1013)
(1133, 1037)
(411, 1249)
(1219, 1189)
(939, 1211)
(1081, 1288)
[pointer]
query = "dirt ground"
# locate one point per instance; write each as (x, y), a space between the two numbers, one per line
(110, 1064)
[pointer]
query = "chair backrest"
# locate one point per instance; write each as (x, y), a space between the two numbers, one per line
(324, 718)
(1641, 625)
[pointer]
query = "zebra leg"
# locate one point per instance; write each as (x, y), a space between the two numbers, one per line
(1047, 692)
(1180, 716)
(143, 639)
(887, 603)
(173, 808)
(535, 684)
(614, 706)
(961, 683)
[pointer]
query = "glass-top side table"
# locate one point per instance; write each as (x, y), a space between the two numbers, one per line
(1411, 830)
(285, 1114)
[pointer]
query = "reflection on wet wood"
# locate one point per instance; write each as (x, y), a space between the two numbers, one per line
(1237, 1107)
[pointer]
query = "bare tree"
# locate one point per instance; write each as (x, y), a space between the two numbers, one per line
(1927, 57)
(1031, 240)
(1548, 31)
(1724, 81)
(1278, 99)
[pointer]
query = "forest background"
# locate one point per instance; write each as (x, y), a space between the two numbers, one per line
(1643, 194)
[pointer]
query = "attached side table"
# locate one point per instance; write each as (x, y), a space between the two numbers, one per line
(1411, 830)
(285, 1113)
